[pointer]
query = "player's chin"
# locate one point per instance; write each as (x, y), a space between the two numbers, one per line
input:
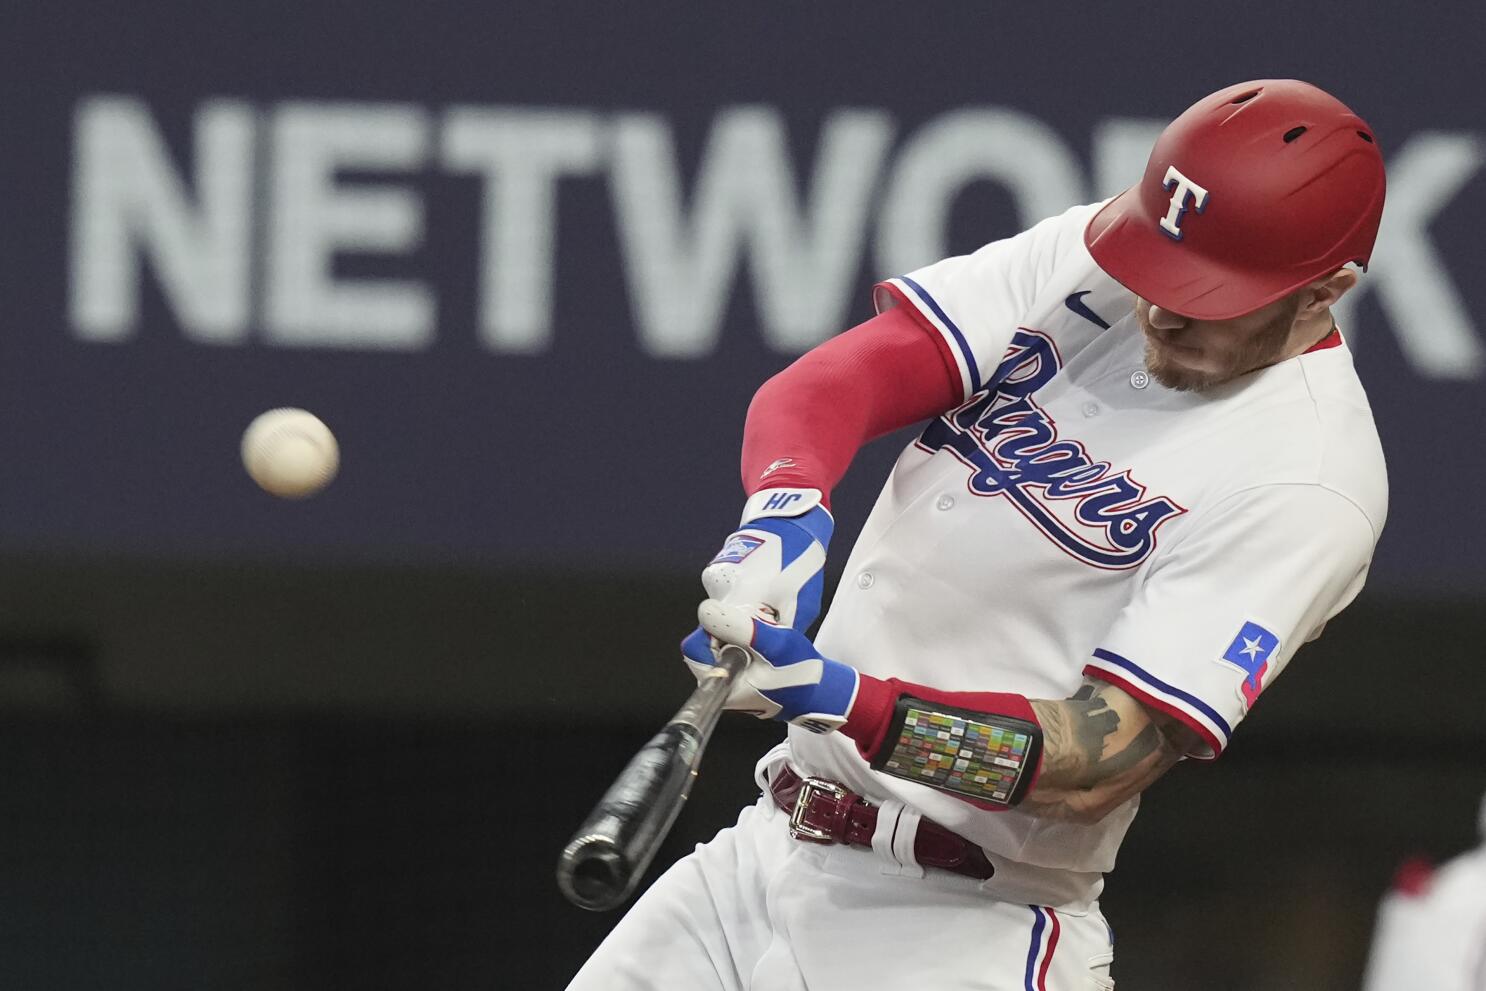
(1175, 367)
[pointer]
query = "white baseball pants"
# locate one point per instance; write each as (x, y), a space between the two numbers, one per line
(755, 910)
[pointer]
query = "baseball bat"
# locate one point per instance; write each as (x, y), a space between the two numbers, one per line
(606, 857)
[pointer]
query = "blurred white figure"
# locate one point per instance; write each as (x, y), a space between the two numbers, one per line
(1431, 931)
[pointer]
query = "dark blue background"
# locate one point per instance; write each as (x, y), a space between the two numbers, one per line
(594, 454)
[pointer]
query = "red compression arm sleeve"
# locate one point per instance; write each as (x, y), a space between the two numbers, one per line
(807, 423)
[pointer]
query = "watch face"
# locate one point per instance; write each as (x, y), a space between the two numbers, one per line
(959, 753)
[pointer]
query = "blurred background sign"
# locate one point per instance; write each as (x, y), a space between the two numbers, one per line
(530, 261)
(531, 268)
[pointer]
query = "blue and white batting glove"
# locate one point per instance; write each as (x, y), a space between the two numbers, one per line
(776, 557)
(786, 677)
(774, 562)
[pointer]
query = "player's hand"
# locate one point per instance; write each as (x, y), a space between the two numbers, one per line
(773, 562)
(776, 557)
(786, 677)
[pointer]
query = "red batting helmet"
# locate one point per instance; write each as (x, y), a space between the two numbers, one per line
(1249, 195)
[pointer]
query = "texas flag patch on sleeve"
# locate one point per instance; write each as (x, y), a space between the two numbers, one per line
(1250, 652)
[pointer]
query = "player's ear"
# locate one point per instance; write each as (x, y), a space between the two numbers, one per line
(1323, 294)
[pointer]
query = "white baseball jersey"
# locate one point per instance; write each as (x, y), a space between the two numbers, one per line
(1433, 935)
(1075, 517)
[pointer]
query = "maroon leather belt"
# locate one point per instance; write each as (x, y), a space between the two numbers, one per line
(824, 812)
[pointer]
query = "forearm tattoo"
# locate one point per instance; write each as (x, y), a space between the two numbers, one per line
(1089, 766)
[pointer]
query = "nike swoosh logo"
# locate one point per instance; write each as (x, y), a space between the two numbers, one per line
(1075, 302)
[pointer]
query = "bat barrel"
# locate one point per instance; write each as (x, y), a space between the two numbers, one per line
(609, 853)
(606, 857)
(597, 878)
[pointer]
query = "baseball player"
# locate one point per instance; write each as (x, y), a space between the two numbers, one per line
(1149, 474)
(1431, 929)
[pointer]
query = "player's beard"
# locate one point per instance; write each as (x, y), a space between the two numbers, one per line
(1264, 347)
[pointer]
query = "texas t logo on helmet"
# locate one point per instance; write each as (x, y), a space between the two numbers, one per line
(1184, 190)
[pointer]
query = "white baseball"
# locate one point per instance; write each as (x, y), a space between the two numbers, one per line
(290, 453)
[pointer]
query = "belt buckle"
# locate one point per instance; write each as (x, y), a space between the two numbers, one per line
(809, 788)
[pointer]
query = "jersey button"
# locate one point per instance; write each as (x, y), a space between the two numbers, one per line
(945, 502)
(1140, 378)
(1091, 409)
(865, 580)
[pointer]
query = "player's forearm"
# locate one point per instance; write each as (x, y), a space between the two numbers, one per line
(1100, 749)
(1076, 759)
(806, 424)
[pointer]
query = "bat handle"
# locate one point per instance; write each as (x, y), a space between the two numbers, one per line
(704, 707)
